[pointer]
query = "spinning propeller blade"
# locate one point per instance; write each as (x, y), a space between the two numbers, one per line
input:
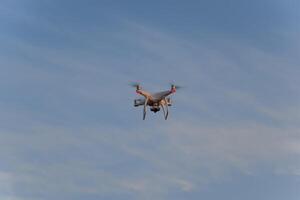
(175, 87)
(136, 85)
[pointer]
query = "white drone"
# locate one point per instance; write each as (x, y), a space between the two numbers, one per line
(155, 100)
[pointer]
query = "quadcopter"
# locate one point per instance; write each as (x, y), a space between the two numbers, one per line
(154, 100)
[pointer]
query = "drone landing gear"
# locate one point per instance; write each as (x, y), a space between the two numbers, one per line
(144, 113)
(165, 113)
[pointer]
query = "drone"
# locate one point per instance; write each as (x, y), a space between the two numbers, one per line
(154, 100)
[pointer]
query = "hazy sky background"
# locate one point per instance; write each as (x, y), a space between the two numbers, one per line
(68, 127)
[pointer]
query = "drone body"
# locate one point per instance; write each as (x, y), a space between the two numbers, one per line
(155, 101)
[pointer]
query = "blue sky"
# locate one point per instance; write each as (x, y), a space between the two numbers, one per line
(68, 126)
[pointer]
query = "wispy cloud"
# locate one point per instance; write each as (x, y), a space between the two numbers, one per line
(99, 161)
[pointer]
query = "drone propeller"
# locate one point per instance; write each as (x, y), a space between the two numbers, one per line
(136, 85)
(175, 87)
